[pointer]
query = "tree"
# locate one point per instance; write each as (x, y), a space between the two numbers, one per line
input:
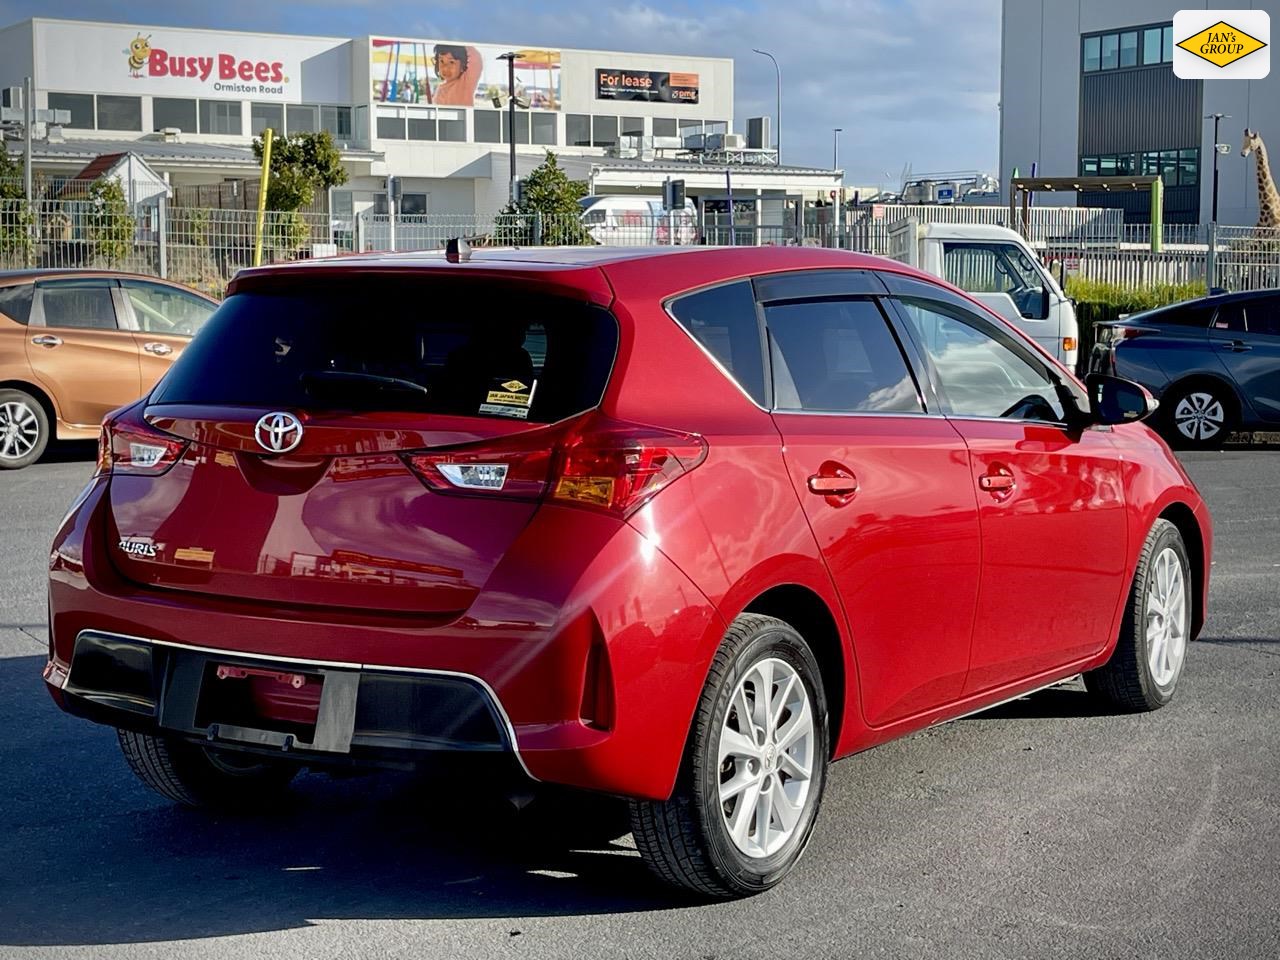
(301, 164)
(111, 228)
(552, 197)
(15, 215)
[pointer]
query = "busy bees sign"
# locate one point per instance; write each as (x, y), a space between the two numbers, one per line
(1221, 44)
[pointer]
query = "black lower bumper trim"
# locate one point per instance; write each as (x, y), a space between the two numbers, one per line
(363, 712)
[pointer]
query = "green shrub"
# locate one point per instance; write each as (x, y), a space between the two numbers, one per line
(1098, 301)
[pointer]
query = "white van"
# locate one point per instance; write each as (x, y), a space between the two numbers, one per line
(637, 221)
(998, 267)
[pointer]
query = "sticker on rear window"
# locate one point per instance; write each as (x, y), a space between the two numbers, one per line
(509, 398)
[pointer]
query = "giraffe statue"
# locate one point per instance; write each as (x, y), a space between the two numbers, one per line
(1268, 197)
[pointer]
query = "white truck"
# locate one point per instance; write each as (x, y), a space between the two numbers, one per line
(998, 267)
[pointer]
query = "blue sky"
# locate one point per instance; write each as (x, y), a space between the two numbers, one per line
(909, 81)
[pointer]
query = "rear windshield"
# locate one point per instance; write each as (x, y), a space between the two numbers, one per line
(394, 345)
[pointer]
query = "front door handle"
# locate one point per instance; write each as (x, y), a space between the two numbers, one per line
(159, 349)
(1236, 346)
(998, 481)
(46, 340)
(835, 482)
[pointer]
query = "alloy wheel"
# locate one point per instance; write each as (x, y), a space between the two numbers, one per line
(1199, 416)
(766, 755)
(19, 430)
(1166, 618)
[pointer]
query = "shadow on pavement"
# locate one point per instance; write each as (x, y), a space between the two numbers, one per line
(92, 857)
(1045, 705)
(71, 451)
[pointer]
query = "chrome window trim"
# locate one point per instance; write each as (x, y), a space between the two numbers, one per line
(508, 727)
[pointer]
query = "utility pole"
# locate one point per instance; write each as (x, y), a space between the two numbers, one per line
(29, 108)
(511, 121)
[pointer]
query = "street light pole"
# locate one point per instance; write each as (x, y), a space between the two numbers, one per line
(1217, 118)
(778, 74)
(835, 147)
(1211, 257)
(511, 122)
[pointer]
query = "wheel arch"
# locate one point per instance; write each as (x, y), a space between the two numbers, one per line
(814, 620)
(1184, 518)
(45, 400)
(1191, 380)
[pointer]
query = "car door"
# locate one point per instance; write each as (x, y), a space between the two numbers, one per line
(165, 318)
(1245, 336)
(1050, 497)
(78, 350)
(1001, 276)
(884, 485)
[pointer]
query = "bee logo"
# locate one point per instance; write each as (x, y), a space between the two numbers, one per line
(138, 52)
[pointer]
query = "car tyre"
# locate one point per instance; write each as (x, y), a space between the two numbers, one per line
(24, 429)
(197, 776)
(1199, 416)
(745, 800)
(1147, 663)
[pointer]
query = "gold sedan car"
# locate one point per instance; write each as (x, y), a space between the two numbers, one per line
(76, 344)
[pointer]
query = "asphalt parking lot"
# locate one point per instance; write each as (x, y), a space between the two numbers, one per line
(1040, 829)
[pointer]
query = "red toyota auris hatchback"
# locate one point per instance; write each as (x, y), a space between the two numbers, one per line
(679, 526)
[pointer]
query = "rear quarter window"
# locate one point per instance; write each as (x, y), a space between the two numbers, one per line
(15, 301)
(472, 349)
(723, 320)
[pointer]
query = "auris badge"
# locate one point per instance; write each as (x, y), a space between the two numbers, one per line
(278, 432)
(1222, 44)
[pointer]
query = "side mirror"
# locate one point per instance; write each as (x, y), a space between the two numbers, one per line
(1116, 400)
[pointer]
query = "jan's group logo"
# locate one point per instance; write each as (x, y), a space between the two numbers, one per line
(1222, 44)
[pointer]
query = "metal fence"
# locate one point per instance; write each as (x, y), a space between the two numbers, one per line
(204, 247)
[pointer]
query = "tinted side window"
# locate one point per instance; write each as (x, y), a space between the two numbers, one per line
(1231, 316)
(1183, 317)
(1264, 316)
(78, 304)
(980, 372)
(167, 310)
(838, 356)
(723, 319)
(15, 302)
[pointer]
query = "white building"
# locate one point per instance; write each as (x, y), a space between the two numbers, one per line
(1087, 87)
(190, 101)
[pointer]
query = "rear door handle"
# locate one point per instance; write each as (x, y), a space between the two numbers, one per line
(835, 482)
(1236, 346)
(832, 486)
(159, 349)
(998, 481)
(45, 340)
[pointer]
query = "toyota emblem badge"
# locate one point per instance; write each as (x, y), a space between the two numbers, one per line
(278, 432)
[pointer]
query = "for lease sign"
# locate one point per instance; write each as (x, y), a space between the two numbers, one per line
(655, 86)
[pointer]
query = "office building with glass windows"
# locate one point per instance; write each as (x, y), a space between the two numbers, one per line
(432, 113)
(1087, 88)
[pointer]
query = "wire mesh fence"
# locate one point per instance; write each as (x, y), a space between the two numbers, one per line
(66, 227)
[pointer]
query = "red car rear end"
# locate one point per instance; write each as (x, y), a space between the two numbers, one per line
(563, 509)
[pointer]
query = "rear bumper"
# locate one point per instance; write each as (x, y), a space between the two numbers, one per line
(587, 649)
(369, 716)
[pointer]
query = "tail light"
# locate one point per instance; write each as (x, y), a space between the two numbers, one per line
(596, 463)
(1120, 332)
(129, 446)
(617, 466)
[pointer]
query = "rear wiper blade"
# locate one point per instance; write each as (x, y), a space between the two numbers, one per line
(338, 377)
